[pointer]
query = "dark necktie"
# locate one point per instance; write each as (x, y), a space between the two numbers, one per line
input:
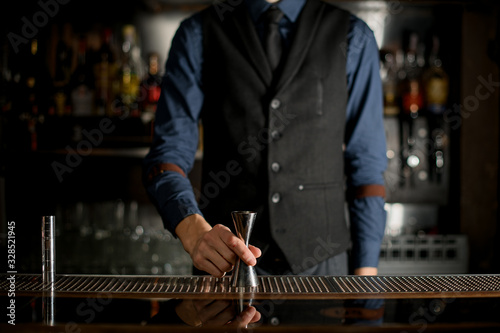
(272, 37)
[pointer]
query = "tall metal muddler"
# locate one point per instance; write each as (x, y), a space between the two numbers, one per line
(244, 276)
(48, 268)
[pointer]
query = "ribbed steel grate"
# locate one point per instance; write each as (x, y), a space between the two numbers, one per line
(286, 286)
(419, 284)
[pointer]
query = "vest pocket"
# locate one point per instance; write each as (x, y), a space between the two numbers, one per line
(316, 186)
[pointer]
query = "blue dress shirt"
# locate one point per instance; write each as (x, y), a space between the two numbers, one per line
(176, 127)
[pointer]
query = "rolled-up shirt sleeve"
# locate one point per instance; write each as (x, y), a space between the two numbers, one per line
(365, 146)
(175, 138)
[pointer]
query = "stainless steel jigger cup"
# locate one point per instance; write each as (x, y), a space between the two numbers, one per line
(48, 268)
(244, 276)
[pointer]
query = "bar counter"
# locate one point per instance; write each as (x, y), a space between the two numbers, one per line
(129, 303)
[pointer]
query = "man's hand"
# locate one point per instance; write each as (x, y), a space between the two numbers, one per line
(209, 313)
(213, 250)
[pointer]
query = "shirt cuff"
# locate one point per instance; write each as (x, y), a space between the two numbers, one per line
(174, 199)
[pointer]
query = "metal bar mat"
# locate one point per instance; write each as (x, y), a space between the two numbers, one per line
(270, 286)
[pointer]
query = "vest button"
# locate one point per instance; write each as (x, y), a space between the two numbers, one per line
(276, 197)
(275, 167)
(275, 134)
(275, 104)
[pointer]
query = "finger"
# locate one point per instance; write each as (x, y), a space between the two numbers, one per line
(256, 317)
(244, 318)
(200, 304)
(216, 313)
(218, 261)
(238, 247)
(222, 313)
(222, 248)
(216, 240)
(207, 266)
(221, 319)
(217, 252)
(208, 259)
(255, 250)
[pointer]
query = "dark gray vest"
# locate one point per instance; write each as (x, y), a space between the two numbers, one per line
(275, 146)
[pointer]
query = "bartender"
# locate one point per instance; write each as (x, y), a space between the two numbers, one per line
(290, 99)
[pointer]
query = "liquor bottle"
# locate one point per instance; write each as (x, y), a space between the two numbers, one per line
(390, 84)
(35, 81)
(412, 92)
(150, 92)
(104, 70)
(36, 88)
(62, 71)
(130, 74)
(412, 104)
(82, 83)
(436, 82)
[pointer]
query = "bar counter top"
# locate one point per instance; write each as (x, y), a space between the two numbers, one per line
(115, 303)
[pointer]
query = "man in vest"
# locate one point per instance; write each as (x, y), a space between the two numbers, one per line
(292, 132)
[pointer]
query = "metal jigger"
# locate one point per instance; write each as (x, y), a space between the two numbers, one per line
(244, 276)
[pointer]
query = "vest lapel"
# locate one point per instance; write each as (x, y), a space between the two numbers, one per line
(308, 24)
(252, 44)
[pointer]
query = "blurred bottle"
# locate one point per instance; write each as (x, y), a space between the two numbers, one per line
(130, 74)
(390, 83)
(35, 89)
(412, 104)
(412, 92)
(150, 91)
(436, 82)
(64, 56)
(82, 83)
(104, 70)
(35, 81)
(151, 84)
